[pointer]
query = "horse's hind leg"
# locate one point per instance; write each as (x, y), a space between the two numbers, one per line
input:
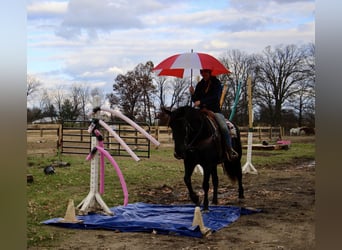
(241, 191)
(239, 178)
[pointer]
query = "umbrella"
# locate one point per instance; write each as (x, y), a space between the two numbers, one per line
(188, 64)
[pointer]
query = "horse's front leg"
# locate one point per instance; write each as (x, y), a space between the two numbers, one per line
(205, 187)
(215, 181)
(188, 169)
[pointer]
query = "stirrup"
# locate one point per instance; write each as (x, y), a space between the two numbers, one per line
(232, 155)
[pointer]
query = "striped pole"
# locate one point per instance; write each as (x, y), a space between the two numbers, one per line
(248, 167)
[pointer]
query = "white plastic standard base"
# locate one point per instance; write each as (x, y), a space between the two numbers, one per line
(248, 167)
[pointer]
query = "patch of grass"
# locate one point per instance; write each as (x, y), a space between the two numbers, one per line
(273, 157)
(48, 195)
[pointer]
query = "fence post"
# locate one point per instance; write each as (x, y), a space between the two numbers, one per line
(156, 133)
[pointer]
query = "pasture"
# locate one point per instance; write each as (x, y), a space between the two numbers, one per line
(284, 189)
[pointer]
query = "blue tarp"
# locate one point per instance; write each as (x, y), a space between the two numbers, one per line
(163, 219)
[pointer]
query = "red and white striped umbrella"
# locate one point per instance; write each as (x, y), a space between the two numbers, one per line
(189, 64)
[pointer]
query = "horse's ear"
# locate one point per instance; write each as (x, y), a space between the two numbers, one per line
(165, 110)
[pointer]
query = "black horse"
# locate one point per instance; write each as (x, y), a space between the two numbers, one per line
(197, 140)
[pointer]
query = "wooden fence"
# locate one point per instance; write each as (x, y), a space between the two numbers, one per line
(48, 139)
(43, 139)
(76, 139)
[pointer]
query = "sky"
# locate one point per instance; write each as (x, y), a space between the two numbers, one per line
(92, 41)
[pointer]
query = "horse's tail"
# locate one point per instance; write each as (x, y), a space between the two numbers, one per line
(233, 169)
(236, 141)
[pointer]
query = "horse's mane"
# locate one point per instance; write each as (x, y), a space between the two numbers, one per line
(184, 111)
(200, 125)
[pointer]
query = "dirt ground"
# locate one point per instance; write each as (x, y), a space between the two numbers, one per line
(285, 193)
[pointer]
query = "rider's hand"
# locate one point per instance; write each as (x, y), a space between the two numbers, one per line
(192, 90)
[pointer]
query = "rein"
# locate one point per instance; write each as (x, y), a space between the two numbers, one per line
(208, 140)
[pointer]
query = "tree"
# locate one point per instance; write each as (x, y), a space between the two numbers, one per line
(80, 95)
(162, 89)
(303, 102)
(97, 95)
(133, 93)
(240, 64)
(32, 85)
(34, 114)
(46, 106)
(143, 73)
(69, 111)
(59, 97)
(180, 95)
(278, 73)
(172, 92)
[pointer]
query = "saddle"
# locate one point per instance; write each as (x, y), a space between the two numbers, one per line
(220, 144)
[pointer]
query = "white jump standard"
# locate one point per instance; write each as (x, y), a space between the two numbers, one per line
(93, 201)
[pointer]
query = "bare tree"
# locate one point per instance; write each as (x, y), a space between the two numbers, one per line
(97, 95)
(162, 88)
(58, 96)
(80, 94)
(240, 65)
(48, 109)
(180, 95)
(32, 84)
(303, 102)
(279, 72)
(173, 92)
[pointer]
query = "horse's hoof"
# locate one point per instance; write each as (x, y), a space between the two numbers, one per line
(196, 200)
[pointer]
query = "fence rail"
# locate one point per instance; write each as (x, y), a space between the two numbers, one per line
(77, 140)
(73, 138)
(43, 138)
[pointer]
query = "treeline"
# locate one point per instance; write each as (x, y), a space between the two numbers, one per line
(283, 87)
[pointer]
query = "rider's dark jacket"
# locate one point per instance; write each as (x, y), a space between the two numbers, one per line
(209, 94)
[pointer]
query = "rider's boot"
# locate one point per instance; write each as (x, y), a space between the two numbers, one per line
(231, 154)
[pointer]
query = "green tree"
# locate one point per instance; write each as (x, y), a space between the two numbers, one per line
(69, 111)
(33, 114)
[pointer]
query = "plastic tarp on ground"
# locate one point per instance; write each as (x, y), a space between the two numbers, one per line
(162, 219)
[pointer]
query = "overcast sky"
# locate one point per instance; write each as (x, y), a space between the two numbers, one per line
(92, 41)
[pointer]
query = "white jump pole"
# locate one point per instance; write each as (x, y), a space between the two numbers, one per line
(248, 167)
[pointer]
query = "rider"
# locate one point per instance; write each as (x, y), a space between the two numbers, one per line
(207, 95)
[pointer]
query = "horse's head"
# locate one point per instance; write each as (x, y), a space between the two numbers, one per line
(185, 123)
